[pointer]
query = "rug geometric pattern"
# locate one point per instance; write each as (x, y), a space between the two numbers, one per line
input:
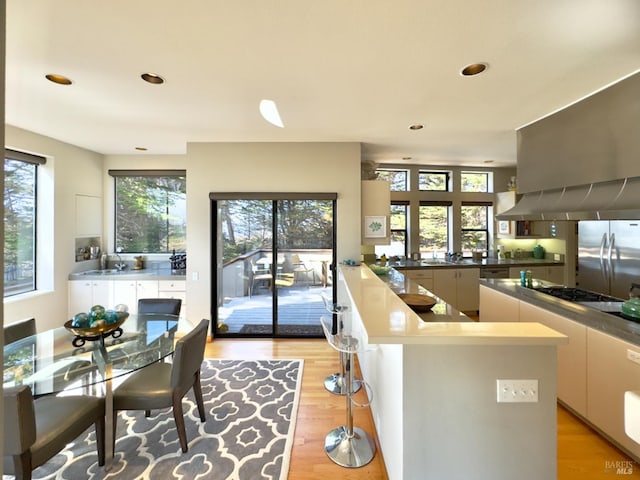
(250, 409)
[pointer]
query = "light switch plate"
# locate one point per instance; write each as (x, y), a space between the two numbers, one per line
(517, 391)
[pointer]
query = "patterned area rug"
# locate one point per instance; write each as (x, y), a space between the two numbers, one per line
(251, 409)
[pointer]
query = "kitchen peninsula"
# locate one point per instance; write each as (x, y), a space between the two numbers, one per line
(434, 379)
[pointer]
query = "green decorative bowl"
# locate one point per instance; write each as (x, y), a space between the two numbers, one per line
(379, 270)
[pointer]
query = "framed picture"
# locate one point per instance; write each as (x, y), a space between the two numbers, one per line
(375, 227)
(504, 226)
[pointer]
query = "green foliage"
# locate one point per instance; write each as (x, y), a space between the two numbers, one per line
(150, 214)
(247, 225)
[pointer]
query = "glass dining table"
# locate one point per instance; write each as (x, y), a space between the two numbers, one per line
(50, 363)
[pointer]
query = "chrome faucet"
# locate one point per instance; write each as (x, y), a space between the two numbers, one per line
(120, 265)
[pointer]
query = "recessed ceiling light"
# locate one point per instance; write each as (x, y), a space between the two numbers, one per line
(59, 79)
(269, 111)
(152, 78)
(141, 149)
(473, 69)
(416, 126)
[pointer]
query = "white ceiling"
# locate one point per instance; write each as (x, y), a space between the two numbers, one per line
(339, 70)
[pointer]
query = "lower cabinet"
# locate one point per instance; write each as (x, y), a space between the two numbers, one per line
(129, 291)
(422, 276)
(458, 286)
(497, 307)
(84, 294)
(572, 357)
(174, 289)
(609, 374)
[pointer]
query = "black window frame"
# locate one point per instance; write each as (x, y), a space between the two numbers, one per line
(446, 183)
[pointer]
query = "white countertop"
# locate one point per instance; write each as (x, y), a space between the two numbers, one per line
(388, 320)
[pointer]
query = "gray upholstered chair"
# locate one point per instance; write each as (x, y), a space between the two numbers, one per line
(164, 306)
(19, 330)
(163, 385)
(36, 430)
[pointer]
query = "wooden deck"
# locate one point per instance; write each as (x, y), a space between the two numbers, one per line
(298, 312)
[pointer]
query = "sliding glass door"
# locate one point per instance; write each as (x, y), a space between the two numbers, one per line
(274, 256)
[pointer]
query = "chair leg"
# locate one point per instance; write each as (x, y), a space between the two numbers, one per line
(100, 427)
(22, 466)
(197, 391)
(147, 413)
(178, 416)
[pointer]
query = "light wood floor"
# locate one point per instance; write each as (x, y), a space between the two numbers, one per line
(582, 454)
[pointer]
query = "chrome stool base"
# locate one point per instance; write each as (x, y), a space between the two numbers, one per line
(349, 451)
(336, 384)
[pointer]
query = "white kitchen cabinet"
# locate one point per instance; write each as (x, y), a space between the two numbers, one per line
(422, 276)
(550, 273)
(458, 286)
(129, 291)
(84, 294)
(610, 373)
(174, 289)
(572, 357)
(498, 307)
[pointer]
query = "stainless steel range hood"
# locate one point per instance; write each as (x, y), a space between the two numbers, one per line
(614, 200)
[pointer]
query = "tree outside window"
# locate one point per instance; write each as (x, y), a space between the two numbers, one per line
(150, 213)
(434, 229)
(474, 181)
(20, 187)
(397, 178)
(475, 229)
(433, 181)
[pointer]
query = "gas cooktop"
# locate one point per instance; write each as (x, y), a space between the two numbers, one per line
(577, 295)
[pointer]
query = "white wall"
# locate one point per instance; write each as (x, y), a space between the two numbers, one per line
(69, 170)
(265, 167)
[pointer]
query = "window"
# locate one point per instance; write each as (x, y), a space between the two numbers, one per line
(20, 194)
(398, 245)
(474, 181)
(475, 227)
(150, 211)
(396, 178)
(433, 181)
(434, 228)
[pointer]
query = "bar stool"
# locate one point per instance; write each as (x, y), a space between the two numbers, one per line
(348, 446)
(335, 382)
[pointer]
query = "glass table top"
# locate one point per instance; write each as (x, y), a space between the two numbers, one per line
(49, 363)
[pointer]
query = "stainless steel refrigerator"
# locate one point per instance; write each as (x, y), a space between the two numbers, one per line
(608, 256)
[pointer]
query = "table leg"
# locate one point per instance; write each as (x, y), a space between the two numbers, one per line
(109, 441)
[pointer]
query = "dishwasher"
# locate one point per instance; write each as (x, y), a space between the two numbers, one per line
(494, 272)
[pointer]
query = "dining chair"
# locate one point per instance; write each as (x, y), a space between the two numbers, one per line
(19, 330)
(164, 306)
(36, 430)
(163, 385)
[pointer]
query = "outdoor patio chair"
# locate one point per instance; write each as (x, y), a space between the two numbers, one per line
(300, 268)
